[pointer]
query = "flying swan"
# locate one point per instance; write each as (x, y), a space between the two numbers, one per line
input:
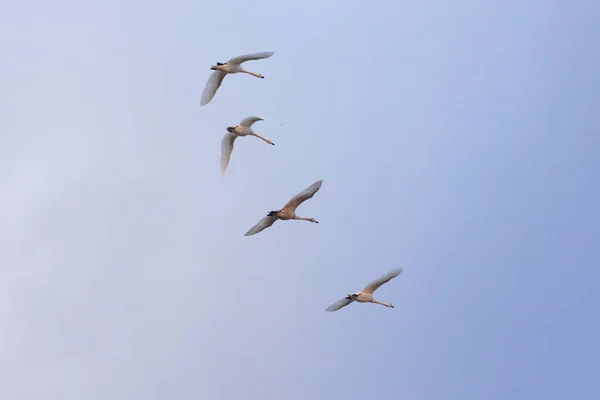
(289, 210)
(243, 129)
(366, 295)
(232, 66)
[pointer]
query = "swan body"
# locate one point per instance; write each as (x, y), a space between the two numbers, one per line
(366, 295)
(243, 129)
(232, 66)
(288, 211)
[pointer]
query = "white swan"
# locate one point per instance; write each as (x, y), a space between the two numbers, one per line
(289, 210)
(366, 295)
(243, 129)
(232, 66)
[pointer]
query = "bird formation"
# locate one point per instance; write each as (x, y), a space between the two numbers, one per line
(287, 212)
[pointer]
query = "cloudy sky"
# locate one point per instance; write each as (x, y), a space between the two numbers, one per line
(458, 140)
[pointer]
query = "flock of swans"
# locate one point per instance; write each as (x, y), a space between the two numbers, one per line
(287, 212)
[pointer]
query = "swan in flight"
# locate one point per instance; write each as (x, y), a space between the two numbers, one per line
(366, 295)
(243, 129)
(232, 66)
(289, 210)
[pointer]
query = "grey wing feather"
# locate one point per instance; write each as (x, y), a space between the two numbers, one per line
(226, 149)
(262, 225)
(373, 286)
(213, 84)
(304, 195)
(248, 57)
(339, 304)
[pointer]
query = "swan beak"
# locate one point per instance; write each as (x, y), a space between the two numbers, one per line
(391, 305)
(213, 69)
(262, 77)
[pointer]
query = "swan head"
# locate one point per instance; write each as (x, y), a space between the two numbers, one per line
(231, 128)
(219, 65)
(313, 220)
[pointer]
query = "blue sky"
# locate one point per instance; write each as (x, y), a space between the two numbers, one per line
(458, 140)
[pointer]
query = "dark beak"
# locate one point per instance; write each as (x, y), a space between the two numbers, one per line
(213, 69)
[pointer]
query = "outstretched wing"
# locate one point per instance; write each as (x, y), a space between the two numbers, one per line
(214, 82)
(372, 287)
(262, 225)
(304, 195)
(248, 57)
(339, 304)
(250, 120)
(226, 149)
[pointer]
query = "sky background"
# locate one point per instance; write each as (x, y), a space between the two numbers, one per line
(458, 140)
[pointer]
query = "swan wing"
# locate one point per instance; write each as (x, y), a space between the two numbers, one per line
(304, 195)
(373, 286)
(226, 149)
(213, 84)
(262, 225)
(251, 120)
(339, 304)
(248, 57)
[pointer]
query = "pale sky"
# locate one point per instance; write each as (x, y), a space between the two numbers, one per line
(457, 140)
